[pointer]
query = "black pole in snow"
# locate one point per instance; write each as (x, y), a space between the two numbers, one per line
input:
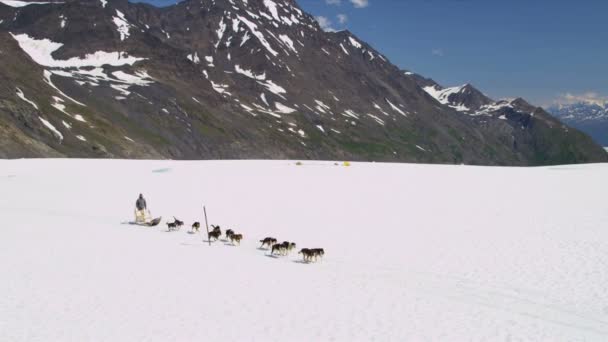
(206, 224)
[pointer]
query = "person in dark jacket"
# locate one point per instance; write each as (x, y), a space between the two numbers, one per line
(141, 203)
(140, 209)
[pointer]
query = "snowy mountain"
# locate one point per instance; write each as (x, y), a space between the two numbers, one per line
(589, 117)
(510, 257)
(241, 79)
(489, 114)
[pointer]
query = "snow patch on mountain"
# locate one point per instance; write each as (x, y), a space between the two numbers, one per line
(380, 109)
(322, 107)
(493, 107)
(220, 32)
(355, 43)
(443, 96)
(344, 49)
(209, 60)
(119, 80)
(377, 119)
(40, 51)
(122, 25)
(263, 110)
(15, 3)
(193, 57)
(281, 108)
(249, 73)
(220, 88)
(59, 105)
(22, 96)
(288, 42)
(350, 113)
(79, 118)
(395, 108)
(47, 79)
(273, 87)
(263, 98)
(272, 8)
(141, 78)
(254, 30)
(52, 128)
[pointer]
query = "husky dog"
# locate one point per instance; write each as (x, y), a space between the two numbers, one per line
(312, 254)
(282, 248)
(196, 226)
(171, 226)
(229, 233)
(318, 253)
(178, 223)
(289, 246)
(214, 234)
(217, 230)
(307, 254)
(236, 238)
(278, 248)
(268, 242)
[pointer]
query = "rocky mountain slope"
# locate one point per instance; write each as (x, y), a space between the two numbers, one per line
(589, 117)
(208, 79)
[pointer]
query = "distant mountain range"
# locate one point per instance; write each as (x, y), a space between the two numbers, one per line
(242, 79)
(589, 117)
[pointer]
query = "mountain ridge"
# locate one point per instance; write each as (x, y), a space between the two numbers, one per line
(241, 79)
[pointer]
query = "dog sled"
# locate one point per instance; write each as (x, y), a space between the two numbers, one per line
(144, 218)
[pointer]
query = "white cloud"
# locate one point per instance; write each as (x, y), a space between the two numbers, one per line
(333, 2)
(588, 97)
(342, 18)
(325, 23)
(437, 52)
(360, 3)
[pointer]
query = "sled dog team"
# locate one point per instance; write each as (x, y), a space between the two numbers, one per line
(284, 248)
(309, 254)
(269, 243)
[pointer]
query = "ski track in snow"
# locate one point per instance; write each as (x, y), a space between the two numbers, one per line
(413, 252)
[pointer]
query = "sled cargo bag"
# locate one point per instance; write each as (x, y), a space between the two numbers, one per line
(140, 216)
(154, 222)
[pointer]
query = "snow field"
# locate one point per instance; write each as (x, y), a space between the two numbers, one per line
(413, 252)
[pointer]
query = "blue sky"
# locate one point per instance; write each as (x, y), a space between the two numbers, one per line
(542, 50)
